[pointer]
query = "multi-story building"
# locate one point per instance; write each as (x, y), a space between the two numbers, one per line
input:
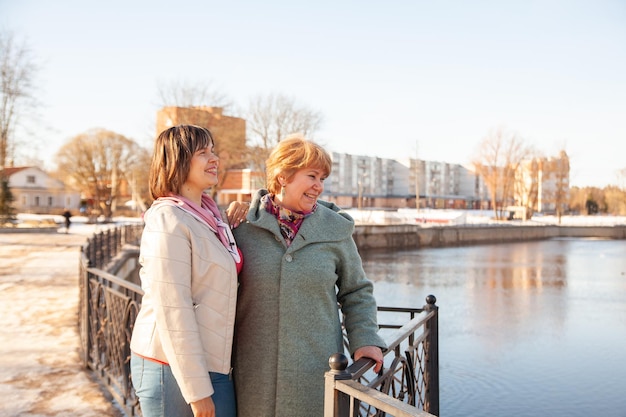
(229, 133)
(364, 181)
(225, 129)
(542, 184)
(553, 184)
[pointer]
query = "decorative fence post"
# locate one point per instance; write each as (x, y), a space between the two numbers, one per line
(83, 303)
(432, 355)
(336, 403)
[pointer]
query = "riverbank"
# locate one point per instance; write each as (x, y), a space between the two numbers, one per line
(407, 229)
(443, 217)
(415, 237)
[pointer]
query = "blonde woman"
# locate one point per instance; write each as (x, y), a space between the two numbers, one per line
(301, 262)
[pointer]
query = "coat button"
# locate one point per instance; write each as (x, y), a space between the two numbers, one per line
(288, 258)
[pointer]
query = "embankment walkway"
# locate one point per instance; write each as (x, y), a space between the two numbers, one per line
(40, 370)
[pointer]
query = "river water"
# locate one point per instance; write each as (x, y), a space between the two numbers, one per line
(525, 329)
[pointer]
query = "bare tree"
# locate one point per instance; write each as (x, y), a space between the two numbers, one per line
(577, 199)
(17, 76)
(206, 102)
(527, 186)
(621, 178)
(559, 168)
(97, 162)
(616, 200)
(192, 94)
(499, 157)
(138, 180)
(273, 117)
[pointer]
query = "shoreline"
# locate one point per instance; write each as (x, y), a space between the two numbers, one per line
(369, 237)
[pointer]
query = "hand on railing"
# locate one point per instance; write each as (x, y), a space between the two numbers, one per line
(371, 352)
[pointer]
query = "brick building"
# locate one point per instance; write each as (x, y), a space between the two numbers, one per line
(225, 129)
(236, 182)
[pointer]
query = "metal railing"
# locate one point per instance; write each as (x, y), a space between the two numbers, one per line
(409, 384)
(108, 306)
(102, 247)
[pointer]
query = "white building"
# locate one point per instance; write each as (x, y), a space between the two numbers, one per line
(365, 181)
(34, 191)
(371, 182)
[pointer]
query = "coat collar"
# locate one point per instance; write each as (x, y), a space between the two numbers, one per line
(328, 223)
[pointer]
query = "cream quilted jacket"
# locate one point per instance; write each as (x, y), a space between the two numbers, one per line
(188, 309)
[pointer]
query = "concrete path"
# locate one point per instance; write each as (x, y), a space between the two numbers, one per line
(40, 370)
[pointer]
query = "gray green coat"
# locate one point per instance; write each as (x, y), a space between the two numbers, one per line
(287, 322)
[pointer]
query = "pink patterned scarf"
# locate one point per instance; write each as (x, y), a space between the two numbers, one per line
(210, 214)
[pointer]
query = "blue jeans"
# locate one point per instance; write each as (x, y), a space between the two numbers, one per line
(160, 396)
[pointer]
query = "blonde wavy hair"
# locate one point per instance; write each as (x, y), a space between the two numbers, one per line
(291, 155)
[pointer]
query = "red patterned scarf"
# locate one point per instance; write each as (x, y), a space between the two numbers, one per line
(289, 221)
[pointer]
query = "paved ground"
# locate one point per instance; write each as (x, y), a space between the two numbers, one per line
(40, 370)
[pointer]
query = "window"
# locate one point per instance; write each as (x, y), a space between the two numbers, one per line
(30, 179)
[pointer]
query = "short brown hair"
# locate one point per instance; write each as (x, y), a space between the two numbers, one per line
(291, 155)
(171, 159)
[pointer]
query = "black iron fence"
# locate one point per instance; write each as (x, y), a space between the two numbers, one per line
(102, 247)
(108, 307)
(408, 385)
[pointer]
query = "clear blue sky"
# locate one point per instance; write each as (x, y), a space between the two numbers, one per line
(392, 79)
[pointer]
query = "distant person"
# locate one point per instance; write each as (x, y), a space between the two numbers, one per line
(68, 216)
(301, 265)
(183, 335)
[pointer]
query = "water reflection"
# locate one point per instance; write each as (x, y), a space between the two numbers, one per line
(531, 328)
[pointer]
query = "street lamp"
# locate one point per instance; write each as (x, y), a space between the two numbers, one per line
(360, 184)
(362, 166)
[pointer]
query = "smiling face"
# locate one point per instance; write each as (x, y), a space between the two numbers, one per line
(202, 173)
(302, 192)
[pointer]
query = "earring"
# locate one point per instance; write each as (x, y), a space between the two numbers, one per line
(282, 190)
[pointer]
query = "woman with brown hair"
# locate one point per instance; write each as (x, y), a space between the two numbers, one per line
(182, 337)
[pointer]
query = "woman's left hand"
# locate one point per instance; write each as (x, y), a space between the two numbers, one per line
(236, 213)
(371, 352)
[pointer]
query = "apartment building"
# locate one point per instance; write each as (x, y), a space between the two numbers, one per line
(553, 183)
(360, 181)
(364, 181)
